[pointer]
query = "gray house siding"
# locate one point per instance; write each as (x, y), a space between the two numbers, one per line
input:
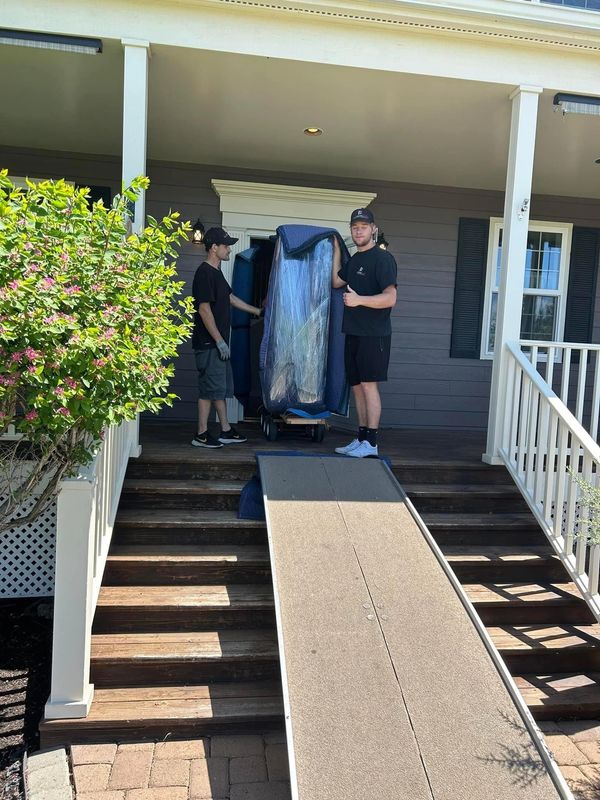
(426, 387)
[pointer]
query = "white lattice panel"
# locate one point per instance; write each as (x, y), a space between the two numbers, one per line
(27, 555)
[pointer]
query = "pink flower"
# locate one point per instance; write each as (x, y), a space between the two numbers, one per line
(16, 356)
(99, 362)
(48, 282)
(64, 411)
(52, 318)
(71, 383)
(109, 333)
(96, 287)
(31, 415)
(59, 391)
(31, 353)
(31, 369)
(72, 289)
(14, 285)
(32, 269)
(64, 257)
(6, 381)
(28, 246)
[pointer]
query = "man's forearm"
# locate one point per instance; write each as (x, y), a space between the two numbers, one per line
(239, 304)
(208, 319)
(336, 281)
(383, 300)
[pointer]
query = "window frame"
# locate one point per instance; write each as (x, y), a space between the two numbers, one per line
(496, 224)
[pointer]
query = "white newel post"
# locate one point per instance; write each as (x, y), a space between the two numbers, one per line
(517, 202)
(135, 126)
(71, 693)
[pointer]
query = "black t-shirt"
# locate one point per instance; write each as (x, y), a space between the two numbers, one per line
(210, 286)
(368, 273)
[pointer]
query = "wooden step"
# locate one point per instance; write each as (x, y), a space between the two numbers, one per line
(149, 565)
(186, 527)
(528, 603)
(241, 466)
(479, 564)
(181, 608)
(195, 465)
(187, 494)
(484, 529)
(561, 695)
(155, 713)
(189, 657)
(543, 649)
(465, 498)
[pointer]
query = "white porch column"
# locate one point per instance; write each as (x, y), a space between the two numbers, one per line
(71, 691)
(135, 128)
(135, 118)
(514, 246)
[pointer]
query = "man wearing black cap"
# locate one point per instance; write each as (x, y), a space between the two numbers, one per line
(370, 281)
(212, 326)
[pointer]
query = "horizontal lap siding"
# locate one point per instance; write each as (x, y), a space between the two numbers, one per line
(426, 388)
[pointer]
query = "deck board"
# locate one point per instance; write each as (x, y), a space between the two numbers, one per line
(387, 682)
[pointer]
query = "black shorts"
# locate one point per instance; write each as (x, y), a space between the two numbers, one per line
(367, 358)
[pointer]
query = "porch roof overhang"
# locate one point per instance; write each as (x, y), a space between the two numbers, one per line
(228, 109)
(497, 41)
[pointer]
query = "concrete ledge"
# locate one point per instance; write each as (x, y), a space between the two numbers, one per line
(47, 775)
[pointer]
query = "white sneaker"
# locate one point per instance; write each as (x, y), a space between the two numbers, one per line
(343, 451)
(364, 450)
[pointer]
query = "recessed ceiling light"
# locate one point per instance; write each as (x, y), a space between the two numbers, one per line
(313, 131)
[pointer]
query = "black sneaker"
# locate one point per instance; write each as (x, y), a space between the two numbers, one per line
(231, 437)
(206, 440)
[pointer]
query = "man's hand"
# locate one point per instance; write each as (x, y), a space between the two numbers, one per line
(223, 349)
(351, 299)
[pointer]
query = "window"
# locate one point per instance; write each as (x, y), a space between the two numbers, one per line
(544, 288)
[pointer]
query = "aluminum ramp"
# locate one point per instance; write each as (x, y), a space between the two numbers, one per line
(390, 692)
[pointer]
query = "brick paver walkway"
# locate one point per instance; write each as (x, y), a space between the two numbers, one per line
(216, 768)
(576, 748)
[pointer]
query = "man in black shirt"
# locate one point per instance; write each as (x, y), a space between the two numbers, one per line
(212, 326)
(370, 281)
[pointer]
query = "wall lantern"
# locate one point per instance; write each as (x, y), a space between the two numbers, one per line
(382, 241)
(577, 104)
(51, 41)
(197, 232)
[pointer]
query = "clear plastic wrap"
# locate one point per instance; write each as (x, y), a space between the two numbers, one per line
(294, 352)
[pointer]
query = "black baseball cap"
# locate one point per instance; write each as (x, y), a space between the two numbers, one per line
(362, 215)
(217, 236)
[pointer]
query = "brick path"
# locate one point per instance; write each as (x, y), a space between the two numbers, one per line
(576, 748)
(216, 768)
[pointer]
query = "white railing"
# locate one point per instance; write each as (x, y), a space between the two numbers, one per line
(86, 511)
(573, 372)
(545, 448)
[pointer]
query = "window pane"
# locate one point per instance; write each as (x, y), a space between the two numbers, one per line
(542, 260)
(537, 322)
(539, 314)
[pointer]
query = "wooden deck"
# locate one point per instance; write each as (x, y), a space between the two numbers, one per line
(411, 446)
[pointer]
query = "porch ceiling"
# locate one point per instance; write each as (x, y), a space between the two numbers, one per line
(208, 107)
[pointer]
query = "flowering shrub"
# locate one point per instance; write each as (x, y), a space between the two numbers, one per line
(89, 318)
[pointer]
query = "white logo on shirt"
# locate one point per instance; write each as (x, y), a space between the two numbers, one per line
(360, 271)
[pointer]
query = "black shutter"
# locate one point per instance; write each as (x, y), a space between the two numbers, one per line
(469, 288)
(98, 193)
(581, 294)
